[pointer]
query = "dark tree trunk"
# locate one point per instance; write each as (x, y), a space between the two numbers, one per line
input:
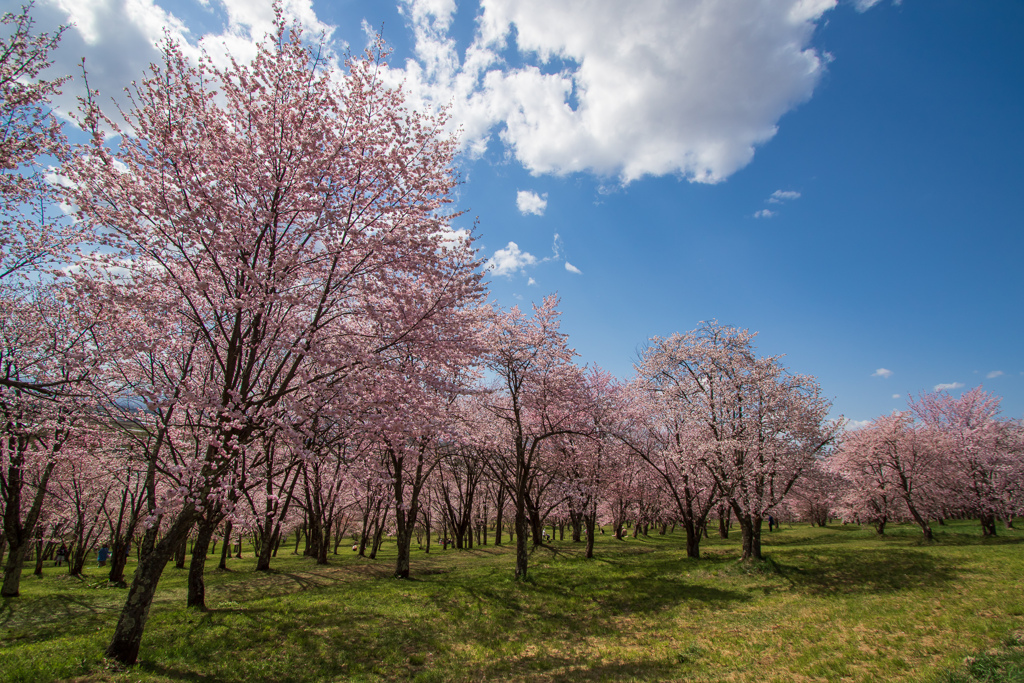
(988, 526)
(536, 526)
(39, 558)
(179, 554)
(692, 539)
(483, 528)
(263, 557)
(499, 517)
(124, 646)
(750, 527)
(576, 521)
(225, 549)
(76, 561)
(196, 568)
(119, 560)
(522, 558)
(591, 522)
(17, 532)
(404, 540)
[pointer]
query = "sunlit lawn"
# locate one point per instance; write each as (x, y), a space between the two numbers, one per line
(833, 604)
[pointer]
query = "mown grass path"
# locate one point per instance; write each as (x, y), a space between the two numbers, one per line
(832, 604)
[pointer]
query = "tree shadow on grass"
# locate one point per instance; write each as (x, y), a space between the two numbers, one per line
(40, 618)
(886, 570)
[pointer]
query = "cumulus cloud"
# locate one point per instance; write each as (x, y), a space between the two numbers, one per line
(531, 282)
(119, 39)
(529, 202)
(780, 196)
(882, 372)
(896, 396)
(947, 387)
(854, 425)
(510, 260)
(764, 213)
(621, 89)
(994, 374)
(573, 269)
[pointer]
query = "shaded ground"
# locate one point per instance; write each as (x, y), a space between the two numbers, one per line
(830, 604)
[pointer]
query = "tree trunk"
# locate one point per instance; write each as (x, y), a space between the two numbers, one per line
(124, 646)
(76, 561)
(498, 521)
(39, 558)
(483, 529)
(591, 522)
(404, 540)
(750, 527)
(536, 526)
(118, 560)
(225, 549)
(266, 550)
(179, 553)
(18, 533)
(522, 558)
(196, 568)
(692, 539)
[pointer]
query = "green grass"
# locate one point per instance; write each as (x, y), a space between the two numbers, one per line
(833, 604)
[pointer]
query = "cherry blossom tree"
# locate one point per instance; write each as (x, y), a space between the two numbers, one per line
(979, 448)
(754, 426)
(539, 394)
(870, 494)
(894, 458)
(816, 494)
(291, 223)
(30, 237)
(665, 436)
(587, 462)
(44, 340)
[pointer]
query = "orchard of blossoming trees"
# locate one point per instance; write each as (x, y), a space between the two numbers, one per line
(241, 312)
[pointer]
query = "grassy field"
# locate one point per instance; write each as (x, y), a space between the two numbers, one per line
(833, 604)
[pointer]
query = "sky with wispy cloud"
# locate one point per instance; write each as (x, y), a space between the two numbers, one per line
(842, 176)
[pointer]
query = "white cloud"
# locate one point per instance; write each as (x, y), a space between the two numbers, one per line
(897, 396)
(854, 425)
(780, 196)
(531, 282)
(947, 387)
(530, 202)
(510, 260)
(601, 86)
(119, 39)
(640, 88)
(865, 5)
(882, 372)
(994, 374)
(764, 213)
(573, 269)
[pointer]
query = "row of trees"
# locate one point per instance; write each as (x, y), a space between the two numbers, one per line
(242, 307)
(943, 457)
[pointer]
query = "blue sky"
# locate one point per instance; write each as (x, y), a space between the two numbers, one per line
(846, 179)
